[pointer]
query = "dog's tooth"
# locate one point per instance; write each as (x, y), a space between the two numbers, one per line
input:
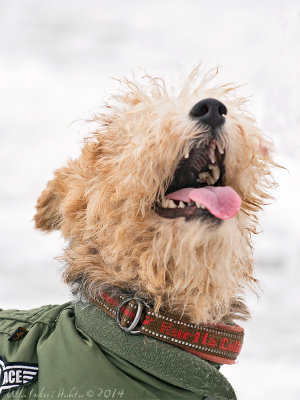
(199, 205)
(213, 159)
(164, 202)
(172, 204)
(181, 204)
(212, 155)
(223, 142)
(205, 177)
(187, 154)
(215, 172)
(220, 147)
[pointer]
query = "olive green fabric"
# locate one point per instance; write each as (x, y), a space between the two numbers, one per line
(82, 353)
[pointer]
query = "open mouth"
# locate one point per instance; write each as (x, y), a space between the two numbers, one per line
(198, 188)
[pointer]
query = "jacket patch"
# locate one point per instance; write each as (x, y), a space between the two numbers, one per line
(16, 374)
(18, 334)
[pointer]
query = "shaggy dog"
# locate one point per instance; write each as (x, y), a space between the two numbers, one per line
(129, 225)
(157, 211)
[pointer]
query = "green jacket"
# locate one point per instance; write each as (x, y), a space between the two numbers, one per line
(76, 351)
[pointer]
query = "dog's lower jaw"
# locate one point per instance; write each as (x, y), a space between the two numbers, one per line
(187, 268)
(191, 211)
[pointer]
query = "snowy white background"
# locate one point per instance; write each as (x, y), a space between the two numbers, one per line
(56, 63)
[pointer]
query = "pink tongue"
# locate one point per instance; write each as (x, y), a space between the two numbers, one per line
(221, 201)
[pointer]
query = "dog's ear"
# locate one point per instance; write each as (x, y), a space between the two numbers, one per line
(62, 199)
(49, 216)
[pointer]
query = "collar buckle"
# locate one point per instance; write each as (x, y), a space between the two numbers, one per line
(140, 307)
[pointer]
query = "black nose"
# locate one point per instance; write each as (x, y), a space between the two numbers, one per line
(210, 112)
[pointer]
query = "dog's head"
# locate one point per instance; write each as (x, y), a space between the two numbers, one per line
(164, 197)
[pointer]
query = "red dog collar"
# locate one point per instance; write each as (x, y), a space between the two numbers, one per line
(218, 343)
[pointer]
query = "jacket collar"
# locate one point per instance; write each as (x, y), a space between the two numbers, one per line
(218, 343)
(166, 362)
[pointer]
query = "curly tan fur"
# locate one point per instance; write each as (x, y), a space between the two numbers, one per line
(102, 203)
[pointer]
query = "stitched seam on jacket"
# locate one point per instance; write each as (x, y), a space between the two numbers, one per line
(24, 321)
(49, 324)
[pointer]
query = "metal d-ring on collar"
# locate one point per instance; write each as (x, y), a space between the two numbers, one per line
(140, 305)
